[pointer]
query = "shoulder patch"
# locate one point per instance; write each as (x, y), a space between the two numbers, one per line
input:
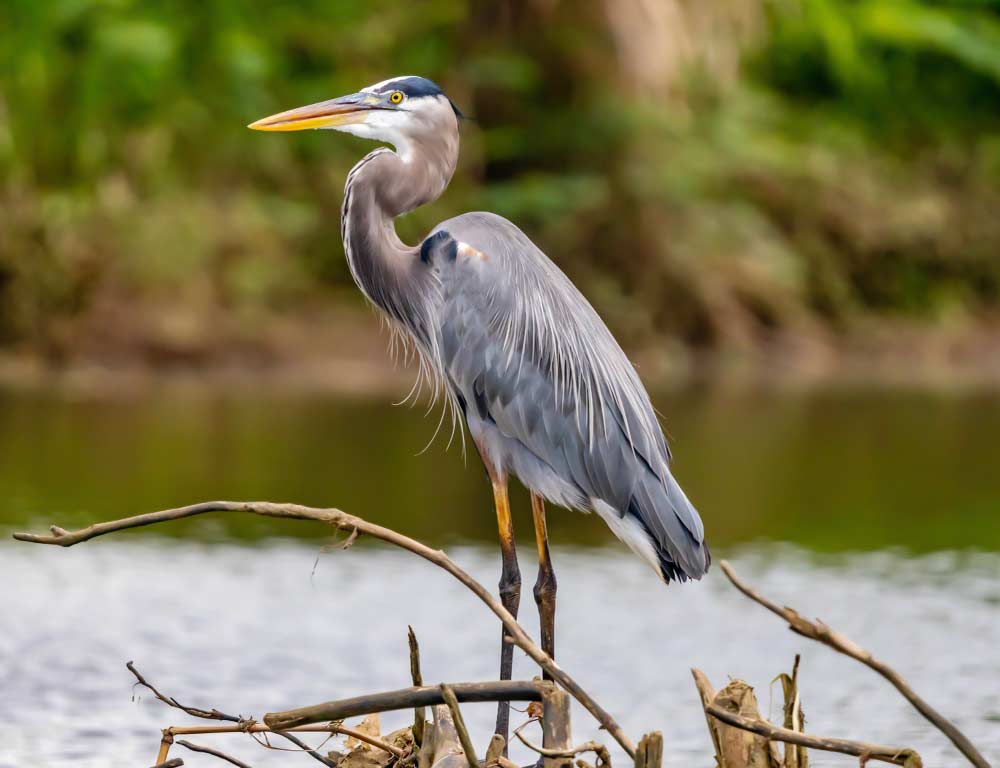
(440, 243)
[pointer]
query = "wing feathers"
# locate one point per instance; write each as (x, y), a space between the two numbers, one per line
(523, 345)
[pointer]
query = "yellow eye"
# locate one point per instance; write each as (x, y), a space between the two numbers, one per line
(396, 97)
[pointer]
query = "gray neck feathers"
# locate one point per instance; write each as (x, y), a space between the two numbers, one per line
(382, 186)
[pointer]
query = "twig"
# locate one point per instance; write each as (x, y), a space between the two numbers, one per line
(252, 727)
(346, 522)
(820, 632)
(463, 733)
(170, 701)
(174, 762)
(214, 714)
(213, 752)
(601, 751)
(897, 755)
(419, 713)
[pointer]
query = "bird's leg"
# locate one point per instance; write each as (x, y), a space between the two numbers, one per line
(510, 589)
(545, 585)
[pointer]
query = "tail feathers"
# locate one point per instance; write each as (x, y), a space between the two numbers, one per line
(674, 529)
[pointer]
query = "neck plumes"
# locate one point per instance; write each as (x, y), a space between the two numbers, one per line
(381, 187)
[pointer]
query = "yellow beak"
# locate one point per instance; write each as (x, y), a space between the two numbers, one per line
(325, 114)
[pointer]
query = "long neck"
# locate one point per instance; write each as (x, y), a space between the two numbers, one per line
(381, 187)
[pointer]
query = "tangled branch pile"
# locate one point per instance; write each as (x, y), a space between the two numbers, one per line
(740, 737)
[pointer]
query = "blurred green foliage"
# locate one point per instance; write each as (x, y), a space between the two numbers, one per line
(852, 169)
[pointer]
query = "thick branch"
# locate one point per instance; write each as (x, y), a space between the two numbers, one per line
(351, 523)
(897, 755)
(405, 698)
(820, 632)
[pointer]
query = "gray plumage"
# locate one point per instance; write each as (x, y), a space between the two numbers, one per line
(546, 391)
(549, 395)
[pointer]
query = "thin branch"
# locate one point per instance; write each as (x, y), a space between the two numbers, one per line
(346, 522)
(170, 701)
(374, 741)
(463, 733)
(253, 727)
(603, 756)
(174, 762)
(214, 714)
(820, 632)
(419, 713)
(590, 746)
(214, 753)
(897, 755)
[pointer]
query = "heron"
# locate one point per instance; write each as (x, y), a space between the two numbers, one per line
(546, 392)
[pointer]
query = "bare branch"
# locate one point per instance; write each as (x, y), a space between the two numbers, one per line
(405, 698)
(214, 753)
(419, 713)
(174, 762)
(251, 727)
(820, 632)
(214, 714)
(170, 701)
(897, 755)
(601, 751)
(463, 733)
(346, 522)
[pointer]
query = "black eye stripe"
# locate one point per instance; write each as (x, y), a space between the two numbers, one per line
(414, 87)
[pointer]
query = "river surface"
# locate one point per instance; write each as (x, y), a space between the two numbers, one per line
(877, 511)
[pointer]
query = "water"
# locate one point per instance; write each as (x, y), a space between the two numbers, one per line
(876, 511)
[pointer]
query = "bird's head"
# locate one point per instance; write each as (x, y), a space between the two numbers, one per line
(400, 111)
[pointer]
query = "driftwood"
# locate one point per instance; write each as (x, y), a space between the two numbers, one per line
(649, 753)
(820, 632)
(354, 526)
(743, 739)
(735, 747)
(897, 755)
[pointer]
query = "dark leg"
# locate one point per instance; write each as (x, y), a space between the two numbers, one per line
(545, 586)
(510, 590)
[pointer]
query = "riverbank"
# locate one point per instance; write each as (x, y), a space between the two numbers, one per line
(344, 351)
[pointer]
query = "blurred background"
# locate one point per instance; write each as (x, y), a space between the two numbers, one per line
(805, 178)
(786, 210)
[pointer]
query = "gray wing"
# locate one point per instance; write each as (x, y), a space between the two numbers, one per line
(540, 375)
